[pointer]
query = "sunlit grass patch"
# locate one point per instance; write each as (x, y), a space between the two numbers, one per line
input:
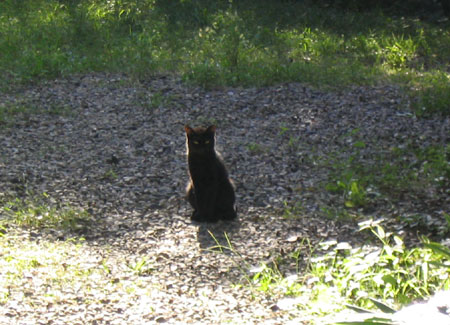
(63, 273)
(52, 263)
(42, 212)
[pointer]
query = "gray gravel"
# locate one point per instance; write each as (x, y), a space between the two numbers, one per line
(115, 147)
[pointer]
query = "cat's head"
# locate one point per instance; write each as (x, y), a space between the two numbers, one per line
(200, 140)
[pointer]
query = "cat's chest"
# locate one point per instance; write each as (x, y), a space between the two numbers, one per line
(202, 170)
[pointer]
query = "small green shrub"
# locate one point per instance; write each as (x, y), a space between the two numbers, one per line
(353, 192)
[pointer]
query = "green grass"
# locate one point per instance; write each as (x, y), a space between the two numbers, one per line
(48, 271)
(218, 43)
(55, 265)
(141, 267)
(40, 211)
(332, 275)
(404, 172)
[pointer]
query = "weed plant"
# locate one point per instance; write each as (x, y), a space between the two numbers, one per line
(337, 274)
(215, 43)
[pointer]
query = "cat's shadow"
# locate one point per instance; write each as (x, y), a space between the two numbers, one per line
(217, 236)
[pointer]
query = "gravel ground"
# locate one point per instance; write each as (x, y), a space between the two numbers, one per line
(115, 147)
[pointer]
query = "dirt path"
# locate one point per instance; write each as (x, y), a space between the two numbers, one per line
(115, 147)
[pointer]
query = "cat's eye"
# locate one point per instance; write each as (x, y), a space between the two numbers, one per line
(207, 142)
(195, 142)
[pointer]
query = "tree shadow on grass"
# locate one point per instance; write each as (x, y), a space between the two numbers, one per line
(329, 16)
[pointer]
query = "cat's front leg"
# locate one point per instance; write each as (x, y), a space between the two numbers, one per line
(206, 199)
(192, 199)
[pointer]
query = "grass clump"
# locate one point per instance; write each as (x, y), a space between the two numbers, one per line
(41, 212)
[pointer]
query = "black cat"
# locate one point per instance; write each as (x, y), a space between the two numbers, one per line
(210, 191)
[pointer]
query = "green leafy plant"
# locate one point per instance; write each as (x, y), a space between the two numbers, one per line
(332, 276)
(266, 278)
(353, 192)
(384, 309)
(399, 53)
(441, 250)
(391, 273)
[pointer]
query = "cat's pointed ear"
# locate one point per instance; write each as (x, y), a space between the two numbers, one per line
(188, 129)
(211, 129)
